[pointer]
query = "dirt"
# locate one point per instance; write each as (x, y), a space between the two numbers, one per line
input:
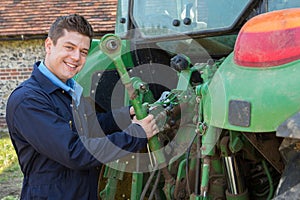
(10, 186)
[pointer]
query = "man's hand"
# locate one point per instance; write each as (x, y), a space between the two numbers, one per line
(148, 124)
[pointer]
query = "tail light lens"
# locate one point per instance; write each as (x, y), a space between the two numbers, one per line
(269, 39)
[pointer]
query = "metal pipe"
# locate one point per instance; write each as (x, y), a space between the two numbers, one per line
(234, 177)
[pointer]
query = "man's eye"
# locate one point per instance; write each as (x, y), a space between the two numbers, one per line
(84, 54)
(69, 47)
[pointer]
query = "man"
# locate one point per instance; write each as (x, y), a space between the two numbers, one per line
(57, 161)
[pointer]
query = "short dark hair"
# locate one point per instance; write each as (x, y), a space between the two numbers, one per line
(73, 22)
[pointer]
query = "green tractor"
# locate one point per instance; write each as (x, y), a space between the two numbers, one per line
(221, 78)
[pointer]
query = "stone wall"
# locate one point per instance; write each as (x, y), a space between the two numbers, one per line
(16, 61)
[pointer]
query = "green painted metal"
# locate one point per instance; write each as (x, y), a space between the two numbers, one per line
(205, 177)
(272, 93)
(195, 197)
(216, 165)
(183, 82)
(111, 46)
(209, 141)
(235, 141)
(110, 189)
(137, 186)
(144, 94)
(185, 76)
(113, 176)
(243, 196)
(256, 86)
(97, 61)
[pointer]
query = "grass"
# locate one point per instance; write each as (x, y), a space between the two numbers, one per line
(7, 154)
(10, 173)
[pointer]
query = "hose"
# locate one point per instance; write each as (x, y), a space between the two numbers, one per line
(155, 186)
(147, 185)
(270, 180)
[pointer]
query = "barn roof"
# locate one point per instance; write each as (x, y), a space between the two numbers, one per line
(33, 17)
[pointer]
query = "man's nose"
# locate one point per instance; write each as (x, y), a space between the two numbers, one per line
(76, 55)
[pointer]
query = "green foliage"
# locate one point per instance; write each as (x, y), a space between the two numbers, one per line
(10, 198)
(10, 173)
(7, 154)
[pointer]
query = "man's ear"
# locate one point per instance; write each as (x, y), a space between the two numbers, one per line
(48, 44)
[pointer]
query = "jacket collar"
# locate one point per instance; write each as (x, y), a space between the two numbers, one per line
(43, 81)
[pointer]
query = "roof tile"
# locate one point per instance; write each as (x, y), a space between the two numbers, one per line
(34, 17)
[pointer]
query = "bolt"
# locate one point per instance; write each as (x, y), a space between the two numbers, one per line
(111, 45)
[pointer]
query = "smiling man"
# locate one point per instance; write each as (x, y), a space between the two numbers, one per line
(67, 54)
(54, 158)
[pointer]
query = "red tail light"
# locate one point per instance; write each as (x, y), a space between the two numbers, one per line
(269, 39)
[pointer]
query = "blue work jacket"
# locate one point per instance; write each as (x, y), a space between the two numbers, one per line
(58, 160)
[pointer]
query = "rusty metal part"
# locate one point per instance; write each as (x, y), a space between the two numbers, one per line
(180, 191)
(204, 185)
(269, 148)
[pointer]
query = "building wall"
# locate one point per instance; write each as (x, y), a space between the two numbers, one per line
(16, 61)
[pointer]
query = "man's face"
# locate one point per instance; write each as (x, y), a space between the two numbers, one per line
(67, 57)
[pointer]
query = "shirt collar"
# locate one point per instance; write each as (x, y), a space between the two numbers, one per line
(56, 81)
